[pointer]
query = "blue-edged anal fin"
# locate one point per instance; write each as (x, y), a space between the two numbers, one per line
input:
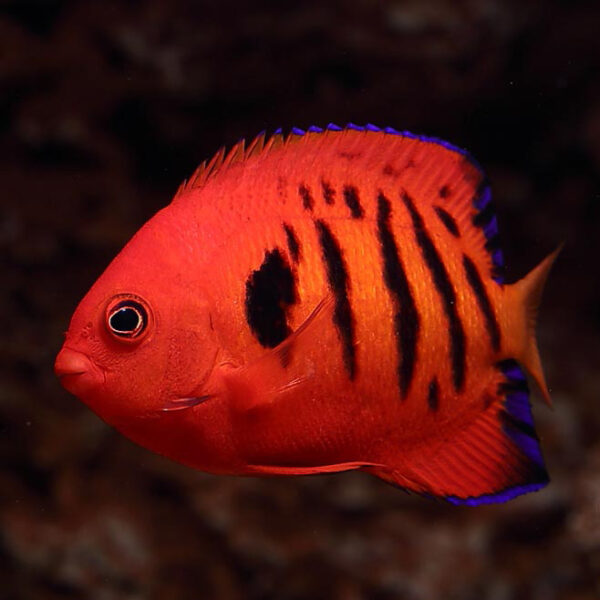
(281, 370)
(490, 454)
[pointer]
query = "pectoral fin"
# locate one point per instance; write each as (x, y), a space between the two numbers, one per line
(280, 370)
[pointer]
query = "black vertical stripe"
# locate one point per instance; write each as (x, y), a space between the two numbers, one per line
(337, 276)
(442, 282)
(307, 199)
(491, 323)
(292, 242)
(328, 192)
(406, 318)
(448, 220)
(433, 395)
(353, 202)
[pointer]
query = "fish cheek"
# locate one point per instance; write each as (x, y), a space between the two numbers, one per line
(132, 380)
(191, 354)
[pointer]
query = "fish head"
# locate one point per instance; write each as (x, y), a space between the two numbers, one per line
(141, 337)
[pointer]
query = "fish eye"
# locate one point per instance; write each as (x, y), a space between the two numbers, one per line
(127, 319)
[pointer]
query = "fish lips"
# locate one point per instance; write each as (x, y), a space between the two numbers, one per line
(76, 371)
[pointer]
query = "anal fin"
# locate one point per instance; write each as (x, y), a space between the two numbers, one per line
(494, 458)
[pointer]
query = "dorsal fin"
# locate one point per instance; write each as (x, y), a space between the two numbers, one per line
(236, 154)
(483, 217)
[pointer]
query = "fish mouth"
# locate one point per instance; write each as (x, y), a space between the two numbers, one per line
(74, 369)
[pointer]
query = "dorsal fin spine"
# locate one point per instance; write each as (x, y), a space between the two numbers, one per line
(196, 176)
(236, 154)
(256, 146)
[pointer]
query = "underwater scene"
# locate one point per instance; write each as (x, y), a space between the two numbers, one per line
(300, 300)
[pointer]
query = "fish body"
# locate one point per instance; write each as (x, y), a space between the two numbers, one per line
(328, 301)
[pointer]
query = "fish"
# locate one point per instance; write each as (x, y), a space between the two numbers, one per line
(328, 300)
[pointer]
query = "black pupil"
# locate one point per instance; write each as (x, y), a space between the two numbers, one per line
(125, 320)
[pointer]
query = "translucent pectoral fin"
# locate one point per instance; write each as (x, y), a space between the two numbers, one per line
(281, 370)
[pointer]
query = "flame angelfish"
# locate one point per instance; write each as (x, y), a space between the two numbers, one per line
(328, 301)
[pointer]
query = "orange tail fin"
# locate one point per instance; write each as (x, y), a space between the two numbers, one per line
(524, 301)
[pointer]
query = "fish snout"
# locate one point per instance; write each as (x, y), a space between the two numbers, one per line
(74, 369)
(71, 362)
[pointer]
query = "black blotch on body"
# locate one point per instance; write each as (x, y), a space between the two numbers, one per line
(270, 291)
(307, 199)
(350, 155)
(491, 323)
(433, 395)
(292, 242)
(390, 171)
(445, 191)
(353, 202)
(328, 192)
(406, 318)
(337, 276)
(448, 221)
(444, 286)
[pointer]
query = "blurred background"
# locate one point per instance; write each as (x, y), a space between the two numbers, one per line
(105, 107)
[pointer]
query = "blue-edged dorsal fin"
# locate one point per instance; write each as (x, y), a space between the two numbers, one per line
(478, 219)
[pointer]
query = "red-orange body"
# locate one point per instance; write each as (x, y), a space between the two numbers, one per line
(208, 386)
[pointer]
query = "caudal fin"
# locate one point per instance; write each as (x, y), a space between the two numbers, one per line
(524, 302)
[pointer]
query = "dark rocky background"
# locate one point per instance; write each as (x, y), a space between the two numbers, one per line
(105, 107)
